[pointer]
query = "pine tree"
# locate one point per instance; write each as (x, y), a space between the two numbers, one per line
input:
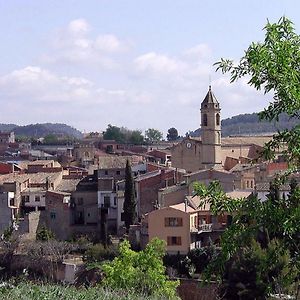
(129, 202)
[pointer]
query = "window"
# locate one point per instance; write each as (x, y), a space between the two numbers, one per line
(26, 198)
(174, 240)
(106, 201)
(106, 172)
(217, 119)
(173, 222)
(251, 184)
(80, 201)
(204, 121)
(118, 172)
(115, 201)
(37, 198)
(52, 215)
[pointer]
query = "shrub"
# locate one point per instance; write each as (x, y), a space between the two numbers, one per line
(99, 253)
(142, 271)
(44, 234)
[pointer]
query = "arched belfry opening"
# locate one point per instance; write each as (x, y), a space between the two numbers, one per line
(218, 119)
(204, 121)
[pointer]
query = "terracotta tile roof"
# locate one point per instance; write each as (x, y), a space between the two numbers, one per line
(116, 162)
(67, 185)
(245, 140)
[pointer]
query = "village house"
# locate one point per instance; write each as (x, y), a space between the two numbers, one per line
(147, 186)
(8, 210)
(7, 138)
(188, 224)
(84, 154)
(162, 157)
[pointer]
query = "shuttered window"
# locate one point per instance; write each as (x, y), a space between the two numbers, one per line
(173, 222)
(174, 240)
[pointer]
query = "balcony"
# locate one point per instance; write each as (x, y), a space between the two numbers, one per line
(202, 228)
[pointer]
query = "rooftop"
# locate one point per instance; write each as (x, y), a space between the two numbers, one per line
(209, 98)
(246, 140)
(115, 162)
(67, 185)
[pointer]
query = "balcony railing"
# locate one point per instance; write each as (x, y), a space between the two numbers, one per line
(202, 228)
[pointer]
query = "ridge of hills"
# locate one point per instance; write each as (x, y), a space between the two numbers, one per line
(249, 124)
(243, 124)
(42, 130)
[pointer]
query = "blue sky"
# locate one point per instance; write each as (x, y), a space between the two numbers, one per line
(138, 64)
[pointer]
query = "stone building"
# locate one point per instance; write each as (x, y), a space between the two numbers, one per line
(194, 154)
(209, 150)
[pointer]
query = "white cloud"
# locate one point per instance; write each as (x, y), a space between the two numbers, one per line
(157, 63)
(37, 84)
(152, 89)
(109, 43)
(75, 44)
(200, 51)
(79, 27)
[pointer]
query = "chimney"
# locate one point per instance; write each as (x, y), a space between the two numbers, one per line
(185, 203)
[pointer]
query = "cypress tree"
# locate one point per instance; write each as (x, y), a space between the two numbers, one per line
(129, 202)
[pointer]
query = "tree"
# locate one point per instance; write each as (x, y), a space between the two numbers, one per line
(153, 135)
(172, 134)
(50, 139)
(136, 137)
(123, 135)
(114, 133)
(273, 66)
(142, 272)
(129, 201)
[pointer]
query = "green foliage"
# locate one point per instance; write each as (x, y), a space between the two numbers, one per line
(136, 137)
(98, 253)
(50, 139)
(274, 66)
(129, 201)
(44, 234)
(172, 134)
(254, 272)
(142, 271)
(123, 135)
(201, 257)
(216, 197)
(7, 233)
(113, 133)
(153, 135)
(273, 263)
(274, 223)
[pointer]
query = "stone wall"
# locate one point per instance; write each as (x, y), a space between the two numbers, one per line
(190, 289)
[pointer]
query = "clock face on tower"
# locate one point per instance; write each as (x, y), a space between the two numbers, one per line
(188, 145)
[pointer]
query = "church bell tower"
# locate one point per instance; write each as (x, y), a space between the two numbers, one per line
(211, 131)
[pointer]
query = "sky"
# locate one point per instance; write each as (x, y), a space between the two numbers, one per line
(133, 63)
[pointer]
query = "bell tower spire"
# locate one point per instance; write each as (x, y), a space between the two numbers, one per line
(211, 130)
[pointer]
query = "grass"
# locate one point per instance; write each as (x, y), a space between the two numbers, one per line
(44, 291)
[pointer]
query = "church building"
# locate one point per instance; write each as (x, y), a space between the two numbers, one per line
(209, 151)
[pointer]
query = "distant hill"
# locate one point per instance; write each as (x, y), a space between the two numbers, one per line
(41, 130)
(249, 124)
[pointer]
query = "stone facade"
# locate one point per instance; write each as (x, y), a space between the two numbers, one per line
(194, 154)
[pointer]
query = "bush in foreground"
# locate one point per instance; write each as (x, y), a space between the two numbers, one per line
(142, 271)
